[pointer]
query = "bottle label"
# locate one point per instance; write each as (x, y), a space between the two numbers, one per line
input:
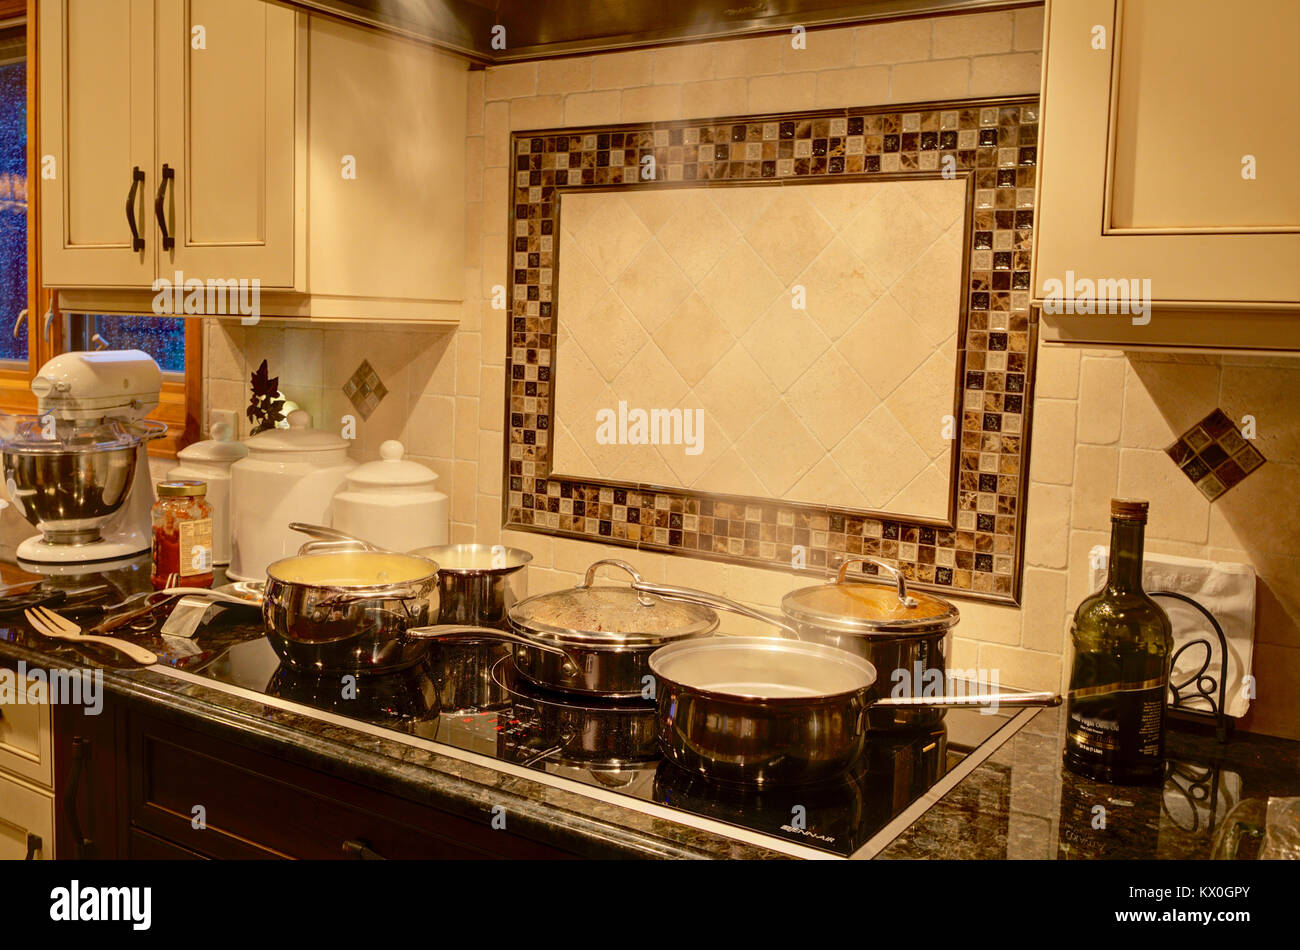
(195, 547)
(1122, 721)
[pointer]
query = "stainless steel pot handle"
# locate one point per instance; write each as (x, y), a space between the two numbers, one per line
(973, 701)
(329, 539)
(452, 631)
(903, 597)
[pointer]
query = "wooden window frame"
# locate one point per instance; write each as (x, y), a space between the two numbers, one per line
(180, 401)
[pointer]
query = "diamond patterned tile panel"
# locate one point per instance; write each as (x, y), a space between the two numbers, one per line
(365, 390)
(1214, 455)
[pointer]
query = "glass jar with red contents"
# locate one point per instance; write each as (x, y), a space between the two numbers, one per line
(182, 535)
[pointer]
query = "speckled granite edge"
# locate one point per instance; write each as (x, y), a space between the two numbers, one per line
(553, 816)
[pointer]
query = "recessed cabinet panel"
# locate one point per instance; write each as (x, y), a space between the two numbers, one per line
(1201, 98)
(96, 76)
(226, 120)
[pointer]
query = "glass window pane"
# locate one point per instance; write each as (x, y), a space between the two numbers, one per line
(13, 208)
(163, 338)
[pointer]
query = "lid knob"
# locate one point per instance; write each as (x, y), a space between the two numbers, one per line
(299, 419)
(390, 450)
(221, 432)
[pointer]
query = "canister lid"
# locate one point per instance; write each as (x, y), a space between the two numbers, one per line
(392, 470)
(221, 448)
(299, 437)
(182, 488)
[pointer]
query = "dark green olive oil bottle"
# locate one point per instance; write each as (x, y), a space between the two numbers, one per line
(1115, 718)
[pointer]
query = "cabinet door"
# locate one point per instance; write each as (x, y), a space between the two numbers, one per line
(1169, 137)
(96, 139)
(26, 821)
(227, 126)
(25, 737)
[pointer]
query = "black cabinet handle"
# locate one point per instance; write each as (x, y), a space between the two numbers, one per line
(360, 851)
(80, 753)
(34, 844)
(137, 179)
(160, 207)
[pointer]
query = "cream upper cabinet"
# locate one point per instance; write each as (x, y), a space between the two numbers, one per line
(1168, 167)
(323, 160)
(226, 84)
(97, 142)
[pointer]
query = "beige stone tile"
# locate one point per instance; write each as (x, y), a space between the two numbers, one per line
(474, 102)
(649, 381)
(592, 108)
(697, 234)
(730, 474)
(761, 587)
(749, 56)
(879, 457)
(779, 449)
(1101, 400)
(693, 338)
(1261, 511)
(1277, 605)
(784, 342)
(943, 201)
(839, 289)
(430, 427)
(819, 50)
(1096, 482)
(652, 103)
(223, 345)
(831, 398)
(572, 74)
(652, 286)
(989, 623)
(735, 391)
(828, 482)
(1179, 512)
(925, 496)
(1047, 525)
(495, 325)
(965, 654)
(717, 97)
(1043, 611)
(782, 93)
(229, 394)
(744, 206)
(1272, 396)
(931, 289)
(922, 82)
(901, 41)
(303, 358)
(511, 81)
(740, 287)
(1010, 74)
(885, 346)
(609, 334)
(487, 523)
(928, 396)
(540, 546)
(1276, 710)
(492, 381)
(1027, 669)
(1057, 373)
(496, 133)
(536, 112)
(1029, 29)
(469, 351)
(496, 188)
(464, 499)
(890, 233)
(678, 64)
(971, 35)
(1163, 400)
(490, 455)
(620, 70)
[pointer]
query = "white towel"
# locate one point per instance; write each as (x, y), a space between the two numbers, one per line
(1226, 590)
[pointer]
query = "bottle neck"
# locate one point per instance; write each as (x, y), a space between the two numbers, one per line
(1125, 572)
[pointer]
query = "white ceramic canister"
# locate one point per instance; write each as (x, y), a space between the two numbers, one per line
(289, 475)
(209, 461)
(392, 503)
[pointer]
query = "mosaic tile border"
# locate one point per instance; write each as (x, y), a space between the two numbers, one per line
(980, 554)
(1214, 456)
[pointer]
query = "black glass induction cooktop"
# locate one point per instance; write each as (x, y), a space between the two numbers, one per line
(466, 695)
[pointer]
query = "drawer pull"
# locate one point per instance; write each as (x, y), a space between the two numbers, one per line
(137, 178)
(160, 207)
(360, 851)
(80, 753)
(34, 842)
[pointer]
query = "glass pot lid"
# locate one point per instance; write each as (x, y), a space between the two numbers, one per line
(613, 616)
(859, 606)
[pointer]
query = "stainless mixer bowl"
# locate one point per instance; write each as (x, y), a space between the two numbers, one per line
(69, 495)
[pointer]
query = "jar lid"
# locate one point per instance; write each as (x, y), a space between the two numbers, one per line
(182, 488)
(222, 447)
(391, 470)
(299, 437)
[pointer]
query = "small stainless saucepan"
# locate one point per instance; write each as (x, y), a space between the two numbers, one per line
(768, 710)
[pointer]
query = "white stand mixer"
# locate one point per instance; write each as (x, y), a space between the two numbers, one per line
(79, 470)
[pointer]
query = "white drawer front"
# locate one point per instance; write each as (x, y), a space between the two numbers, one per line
(25, 810)
(24, 733)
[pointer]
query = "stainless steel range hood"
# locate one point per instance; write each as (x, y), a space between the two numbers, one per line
(536, 29)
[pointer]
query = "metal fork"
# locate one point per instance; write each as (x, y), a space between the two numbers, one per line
(47, 623)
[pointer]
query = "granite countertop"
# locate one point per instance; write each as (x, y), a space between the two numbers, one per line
(1019, 803)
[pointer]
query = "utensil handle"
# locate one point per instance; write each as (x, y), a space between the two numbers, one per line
(973, 701)
(899, 580)
(328, 539)
(451, 631)
(137, 653)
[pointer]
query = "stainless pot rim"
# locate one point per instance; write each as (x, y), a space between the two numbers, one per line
(430, 572)
(699, 621)
(445, 556)
(819, 652)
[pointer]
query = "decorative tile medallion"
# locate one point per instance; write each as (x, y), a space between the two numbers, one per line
(978, 550)
(365, 390)
(1214, 455)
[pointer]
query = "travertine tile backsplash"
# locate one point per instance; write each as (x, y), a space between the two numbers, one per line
(1102, 420)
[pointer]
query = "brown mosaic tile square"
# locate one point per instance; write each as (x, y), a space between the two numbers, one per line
(1214, 455)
